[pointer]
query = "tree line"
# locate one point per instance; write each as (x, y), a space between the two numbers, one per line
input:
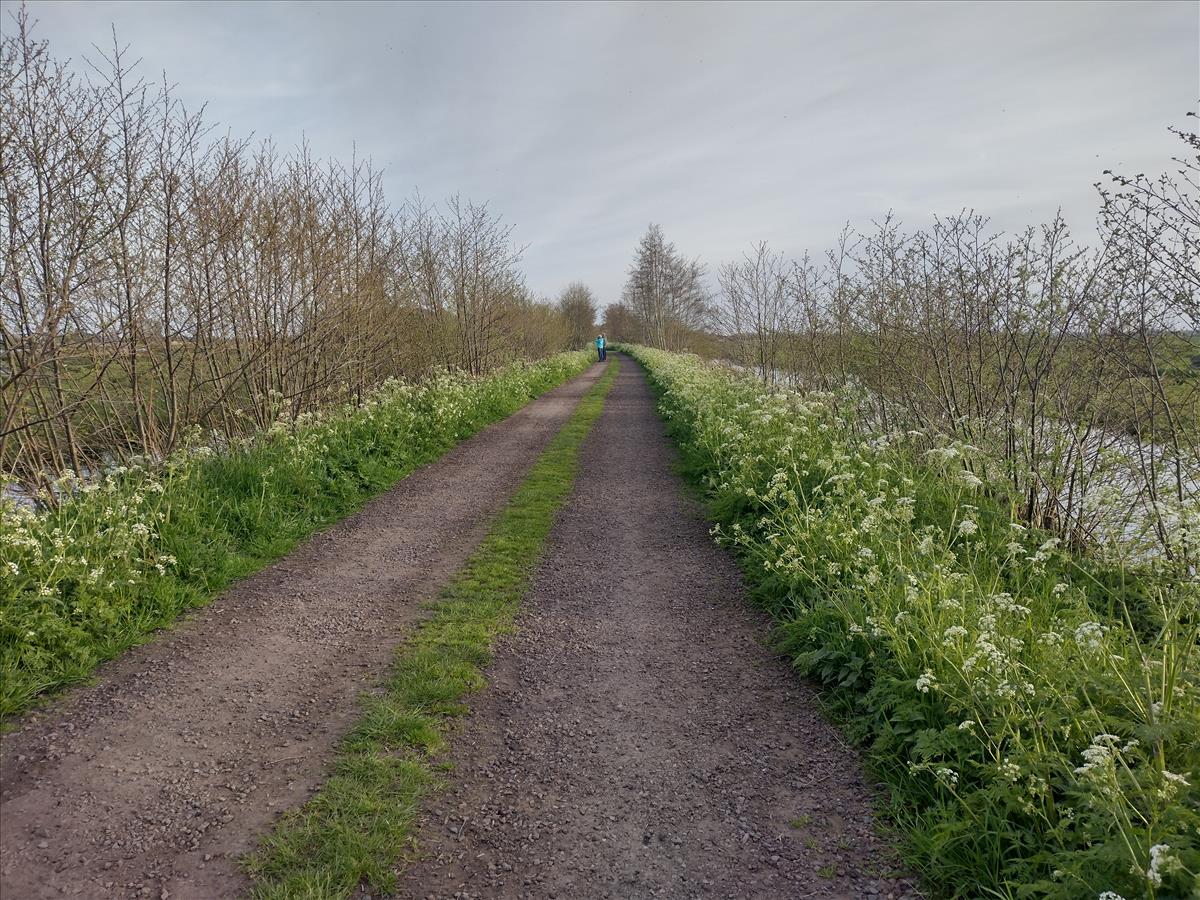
(159, 283)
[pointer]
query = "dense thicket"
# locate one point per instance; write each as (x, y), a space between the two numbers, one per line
(157, 284)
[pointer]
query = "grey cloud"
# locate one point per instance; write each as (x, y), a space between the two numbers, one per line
(727, 123)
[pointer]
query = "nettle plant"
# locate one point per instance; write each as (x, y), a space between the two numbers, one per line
(1036, 713)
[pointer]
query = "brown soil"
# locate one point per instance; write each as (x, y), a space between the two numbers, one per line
(637, 739)
(154, 780)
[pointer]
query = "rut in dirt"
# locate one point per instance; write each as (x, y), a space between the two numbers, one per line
(637, 738)
(152, 782)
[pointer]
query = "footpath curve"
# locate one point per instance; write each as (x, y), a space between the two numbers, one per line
(154, 780)
(637, 738)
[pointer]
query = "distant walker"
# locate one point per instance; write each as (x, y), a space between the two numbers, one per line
(601, 347)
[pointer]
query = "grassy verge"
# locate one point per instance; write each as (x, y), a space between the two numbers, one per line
(110, 561)
(355, 828)
(1036, 716)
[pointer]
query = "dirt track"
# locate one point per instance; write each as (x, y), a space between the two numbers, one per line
(637, 740)
(153, 781)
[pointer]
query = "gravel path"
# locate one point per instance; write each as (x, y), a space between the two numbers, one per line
(154, 780)
(637, 739)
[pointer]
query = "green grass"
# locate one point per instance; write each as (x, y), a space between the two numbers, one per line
(98, 573)
(359, 823)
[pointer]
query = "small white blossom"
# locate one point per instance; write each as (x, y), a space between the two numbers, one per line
(1099, 755)
(1162, 862)
(953, 633)
(1089, 635)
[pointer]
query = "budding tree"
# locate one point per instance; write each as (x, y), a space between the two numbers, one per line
(577, 304)
(666, 292)
(621, 324)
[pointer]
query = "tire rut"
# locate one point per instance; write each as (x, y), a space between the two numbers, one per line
(154, 780)
(637, 738)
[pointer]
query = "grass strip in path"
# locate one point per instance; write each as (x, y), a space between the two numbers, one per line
(353, 830)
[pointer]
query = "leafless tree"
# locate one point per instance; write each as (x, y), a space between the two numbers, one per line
(758, 309)
(666, 292)
(154, 282)
(578, 306)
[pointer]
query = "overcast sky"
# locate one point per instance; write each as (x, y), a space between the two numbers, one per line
(726, 124)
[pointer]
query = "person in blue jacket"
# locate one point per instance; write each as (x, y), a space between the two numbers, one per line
(601, 347)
